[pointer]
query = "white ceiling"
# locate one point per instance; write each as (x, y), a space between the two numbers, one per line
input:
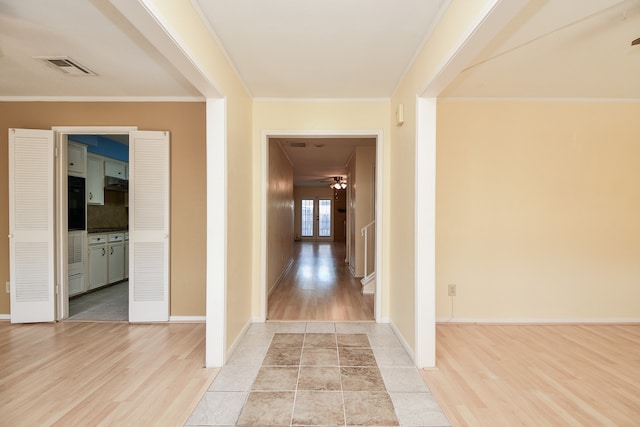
(328, 49)
(322, 49)
(560, 49)
(92, 33)
(320, 158)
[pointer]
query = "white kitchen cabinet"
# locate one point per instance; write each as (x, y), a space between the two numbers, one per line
(95, 180)
(115, 168)
(97, 260)
(115, 250)
(76, 284)
(126, 255)
(76, 159)
(76, 247)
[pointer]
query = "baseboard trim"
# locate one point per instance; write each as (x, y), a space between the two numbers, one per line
(5, 317)
(187, 319)
(404, 343)
(282, 275)
(233, 346)
(538, 321)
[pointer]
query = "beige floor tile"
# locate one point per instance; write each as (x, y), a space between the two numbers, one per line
(282, 356)
(320, 341)
(369, 409)
(356, 356)
(353, 340)
(319, 357)
(321, 327)
(276, 378)
(318, 408)
(265, 408)
(319, 379)
(287, 340)
(361, 379)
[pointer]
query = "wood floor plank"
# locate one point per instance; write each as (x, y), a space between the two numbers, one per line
(320, 287)
(533, 375)
(107, 374)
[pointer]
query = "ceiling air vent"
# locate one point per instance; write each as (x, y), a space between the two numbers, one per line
(65, 65)
(295, 144)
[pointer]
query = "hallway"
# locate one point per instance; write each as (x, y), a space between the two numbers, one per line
(320, 287)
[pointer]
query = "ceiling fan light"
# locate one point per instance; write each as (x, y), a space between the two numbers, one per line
(343, 185)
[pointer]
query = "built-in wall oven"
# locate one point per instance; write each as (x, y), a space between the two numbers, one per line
(77, 203)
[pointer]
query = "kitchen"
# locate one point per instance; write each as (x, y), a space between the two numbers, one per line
(98, 221)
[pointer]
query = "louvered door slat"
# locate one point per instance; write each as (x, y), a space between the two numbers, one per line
(149, 226)
(31, 225)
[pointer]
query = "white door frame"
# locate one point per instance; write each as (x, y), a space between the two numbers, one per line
(378, 135)
(60, 134)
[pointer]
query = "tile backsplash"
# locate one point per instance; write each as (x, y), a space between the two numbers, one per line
(113, 214)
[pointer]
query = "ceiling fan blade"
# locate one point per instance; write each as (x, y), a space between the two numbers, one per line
(635, 42)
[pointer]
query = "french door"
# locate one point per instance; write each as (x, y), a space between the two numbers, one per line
(316, 221)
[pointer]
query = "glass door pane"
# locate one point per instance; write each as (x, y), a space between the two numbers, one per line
(324, 218)
(307, 218)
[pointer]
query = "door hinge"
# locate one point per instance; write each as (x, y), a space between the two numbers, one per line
(55, 152)
(57, 289)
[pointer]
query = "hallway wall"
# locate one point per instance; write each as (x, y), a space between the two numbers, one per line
(279, 215)
(457, 20)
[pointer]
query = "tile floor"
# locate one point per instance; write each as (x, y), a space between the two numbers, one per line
(111, 303)
(321, 374)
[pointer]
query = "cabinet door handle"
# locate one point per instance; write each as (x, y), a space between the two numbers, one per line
(104, 252)
(90, 195)
(71, 164)
(111, 251)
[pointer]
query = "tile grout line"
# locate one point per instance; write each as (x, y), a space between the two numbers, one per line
(295, 392)
(344, 403)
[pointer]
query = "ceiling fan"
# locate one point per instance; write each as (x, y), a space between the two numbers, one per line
(336, 182)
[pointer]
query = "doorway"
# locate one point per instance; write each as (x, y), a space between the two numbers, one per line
(320, 265)
(316, 218)
(39, 250)
(99, 288)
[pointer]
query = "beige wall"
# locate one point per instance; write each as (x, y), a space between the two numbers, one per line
(311, 116)
(186, 123)
(361, 170)
(183, 22)
(538, 210)
(279, 215)
(458, 18)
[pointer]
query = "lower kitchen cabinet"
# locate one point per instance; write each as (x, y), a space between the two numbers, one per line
(116, 262)
(126, 256)
(106, 259)
(97, 264)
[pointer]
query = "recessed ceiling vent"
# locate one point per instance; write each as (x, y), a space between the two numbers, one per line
(65, 65)
(295, 144)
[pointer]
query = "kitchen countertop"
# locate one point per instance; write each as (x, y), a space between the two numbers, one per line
(107, 230)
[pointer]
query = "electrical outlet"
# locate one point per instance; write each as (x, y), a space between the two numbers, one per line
(452, 290)
(8, 285)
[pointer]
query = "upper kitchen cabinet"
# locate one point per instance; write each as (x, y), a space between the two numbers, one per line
(77, 159)
(115, 169)
(95, 180)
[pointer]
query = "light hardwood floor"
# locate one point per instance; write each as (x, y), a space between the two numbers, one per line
(107, 374)
(534, 375)
(319, 286)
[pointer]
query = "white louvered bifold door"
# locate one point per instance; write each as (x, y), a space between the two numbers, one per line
(31, 225)
(148, 226)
